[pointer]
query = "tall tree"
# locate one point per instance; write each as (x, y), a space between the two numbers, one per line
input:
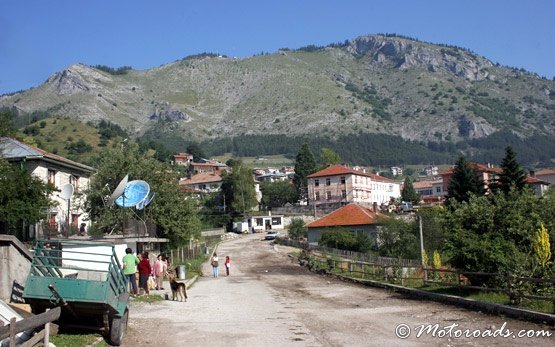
(7, 127)
(408, 193)
(329, 157)
(197, 152)
(238, 189)
(23, 198)
(465, 181)
(174, 215)
(512, 176)
(305, 164)
(276, 194)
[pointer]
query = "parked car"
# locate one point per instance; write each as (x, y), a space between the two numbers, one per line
(271, 235)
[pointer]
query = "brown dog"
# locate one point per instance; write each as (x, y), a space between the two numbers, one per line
(179, 290)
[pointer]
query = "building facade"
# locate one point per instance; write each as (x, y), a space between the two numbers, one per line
(340, 185)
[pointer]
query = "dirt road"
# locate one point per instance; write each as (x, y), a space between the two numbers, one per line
(269, 300)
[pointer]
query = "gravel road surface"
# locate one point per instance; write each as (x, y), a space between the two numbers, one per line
(269, 300)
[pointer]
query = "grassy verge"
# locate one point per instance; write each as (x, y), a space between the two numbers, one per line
(148, 298)
(78, 339)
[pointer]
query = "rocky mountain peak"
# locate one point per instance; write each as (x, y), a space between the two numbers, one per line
(404, 53)
(69, 81)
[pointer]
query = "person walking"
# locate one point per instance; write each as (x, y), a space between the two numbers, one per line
(144, 272)
(227, 265)
(130, 262)
(214, 263)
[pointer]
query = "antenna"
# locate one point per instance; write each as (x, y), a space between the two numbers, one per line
(118, 191)
(145, 202)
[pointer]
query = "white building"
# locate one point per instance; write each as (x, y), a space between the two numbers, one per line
(59, 172)
(339, 184)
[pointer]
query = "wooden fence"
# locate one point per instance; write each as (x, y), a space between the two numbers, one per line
(363, 257)
(516, 287)
(15, 327)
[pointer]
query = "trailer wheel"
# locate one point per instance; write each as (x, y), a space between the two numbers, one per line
(118, 329)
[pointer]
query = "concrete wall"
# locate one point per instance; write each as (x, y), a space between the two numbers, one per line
(15, 263)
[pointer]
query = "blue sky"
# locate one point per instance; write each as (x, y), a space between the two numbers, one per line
(39, 38)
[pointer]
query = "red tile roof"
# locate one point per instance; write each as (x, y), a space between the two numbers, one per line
(336, 170)
(534, 180)
(476, 166)
(545, 172)
(204, 177)
(347, 216)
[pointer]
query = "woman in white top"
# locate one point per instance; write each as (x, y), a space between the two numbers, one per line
(214, 263)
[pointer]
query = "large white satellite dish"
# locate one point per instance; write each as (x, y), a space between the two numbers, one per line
(67, 191)
(118, 191)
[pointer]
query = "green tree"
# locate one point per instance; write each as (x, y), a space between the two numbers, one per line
(278, 193)
(329, 157)
(23, 198)
(305, 164)
(339, 238)
(7, 127)
(174, 215)
(496, 233)
(398, 238)
(196, 151)
(409, 193)
(297, 229)
(512, 176)
(464, 182)
(238, 189)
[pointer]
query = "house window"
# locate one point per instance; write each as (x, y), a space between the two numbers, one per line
(344, 194)
(52, 177)
(328, 181)
(317, 196)
(260, 222)
(342, 179)
(328, 195)
(356, 179)
(74, 180)
(438, 189)
(316, 183)
(276, 220)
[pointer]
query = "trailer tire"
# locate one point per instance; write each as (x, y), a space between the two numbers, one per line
(118, 329)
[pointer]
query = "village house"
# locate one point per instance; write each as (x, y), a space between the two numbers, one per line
(430, 170)
(208, 166)
(487, 172)
(339, 185)
(396, 171)
(59, 172)
(546, 175)
(204, 182)
(430, 190)
(184, 159)
(353, 217)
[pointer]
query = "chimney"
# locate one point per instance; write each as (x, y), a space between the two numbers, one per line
(532, 173)
(375, 207)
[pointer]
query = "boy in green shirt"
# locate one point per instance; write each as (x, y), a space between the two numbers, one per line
(130, 262)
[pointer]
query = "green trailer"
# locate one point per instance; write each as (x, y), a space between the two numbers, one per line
(84, 278)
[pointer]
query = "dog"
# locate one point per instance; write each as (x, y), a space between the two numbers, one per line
(179, 290)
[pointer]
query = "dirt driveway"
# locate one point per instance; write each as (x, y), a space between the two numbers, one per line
(269, 300)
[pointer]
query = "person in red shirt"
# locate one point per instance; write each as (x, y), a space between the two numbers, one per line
(227, 264)
(144, 271)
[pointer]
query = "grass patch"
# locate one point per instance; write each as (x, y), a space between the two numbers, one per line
(148, 298)
(78, 339)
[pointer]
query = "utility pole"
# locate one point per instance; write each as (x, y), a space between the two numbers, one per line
(422, 248)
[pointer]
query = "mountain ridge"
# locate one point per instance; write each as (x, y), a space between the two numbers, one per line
(382, 84)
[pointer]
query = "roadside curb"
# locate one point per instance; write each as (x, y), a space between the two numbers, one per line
(518, 313)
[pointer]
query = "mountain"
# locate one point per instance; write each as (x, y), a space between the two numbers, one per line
(380, 84)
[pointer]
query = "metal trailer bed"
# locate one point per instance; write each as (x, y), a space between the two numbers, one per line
(85, 279)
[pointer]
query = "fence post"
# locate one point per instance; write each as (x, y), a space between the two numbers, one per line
(12, 332)
(512, 298)
(46, 339)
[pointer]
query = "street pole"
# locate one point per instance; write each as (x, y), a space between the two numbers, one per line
(422, 248)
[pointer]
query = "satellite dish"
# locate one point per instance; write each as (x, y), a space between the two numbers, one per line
(119, 190)
(133, 194)
(67, 191)
(145, 202)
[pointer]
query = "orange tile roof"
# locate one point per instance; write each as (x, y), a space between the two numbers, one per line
(336, 170)
(545, 172)
(476, 166)
(534, 180)
(346, 216)
(205, 177)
